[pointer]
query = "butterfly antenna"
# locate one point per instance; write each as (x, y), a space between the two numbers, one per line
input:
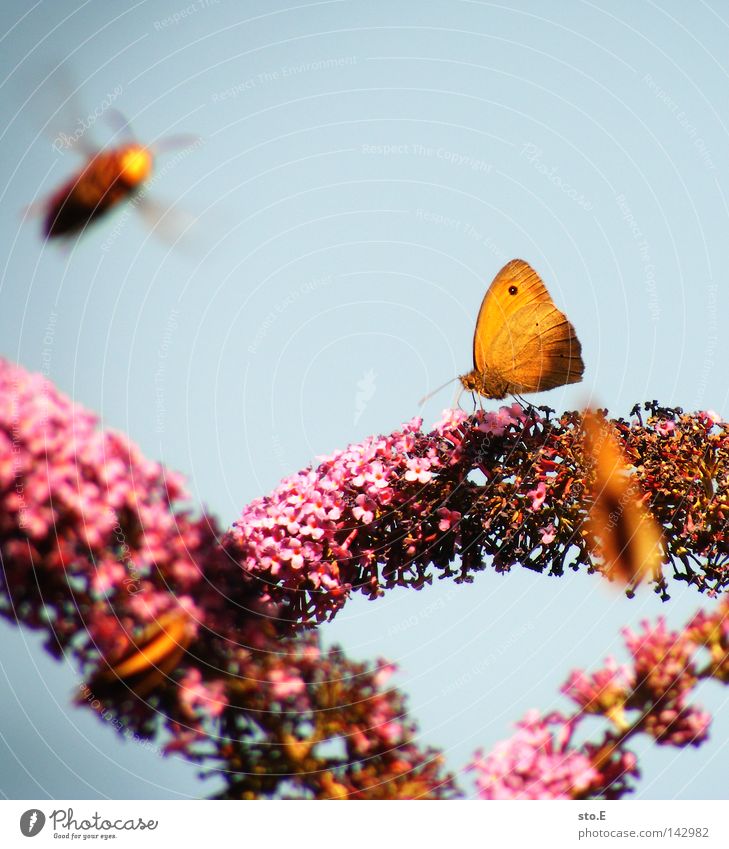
(435, 392)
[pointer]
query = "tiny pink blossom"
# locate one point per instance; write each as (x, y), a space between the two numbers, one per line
(665, 428)
(384, 672)
(603, 690)
(364, 509)
(285, 683)
(376, 476)
(418, 470)
(197, 697)
(448, 518)
(450, 419)
(548, 534)
(497, 422)
(538, 495)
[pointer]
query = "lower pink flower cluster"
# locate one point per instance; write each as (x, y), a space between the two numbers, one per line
(92, 537)
(98, 551)
(649, 695)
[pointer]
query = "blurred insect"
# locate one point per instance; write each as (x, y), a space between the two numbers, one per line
(620, 528)
(110, 177)
(146, 661)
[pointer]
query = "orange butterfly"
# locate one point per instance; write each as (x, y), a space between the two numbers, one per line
(146, 661)
(522, 343)
(621, 530)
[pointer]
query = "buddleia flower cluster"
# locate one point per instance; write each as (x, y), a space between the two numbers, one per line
(172, 641)
(197, 638)
(650, 695)
(510, 488)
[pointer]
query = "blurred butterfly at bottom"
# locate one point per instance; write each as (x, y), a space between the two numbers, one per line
(145, 662)
(522, 342)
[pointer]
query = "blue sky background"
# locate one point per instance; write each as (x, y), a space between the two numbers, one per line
(364, 170)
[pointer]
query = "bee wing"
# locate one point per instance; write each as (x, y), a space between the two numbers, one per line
(55, 100)
(170, 224)
(120, 124)
(178, 141)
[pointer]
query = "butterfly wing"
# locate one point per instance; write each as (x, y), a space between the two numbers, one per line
(537, 349)
(521, 338)
(620, 527)
(517, 285)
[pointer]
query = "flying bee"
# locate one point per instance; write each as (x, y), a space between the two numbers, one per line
(111, 177)
(108, 178)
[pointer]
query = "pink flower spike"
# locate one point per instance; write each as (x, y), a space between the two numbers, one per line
(536, 763)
